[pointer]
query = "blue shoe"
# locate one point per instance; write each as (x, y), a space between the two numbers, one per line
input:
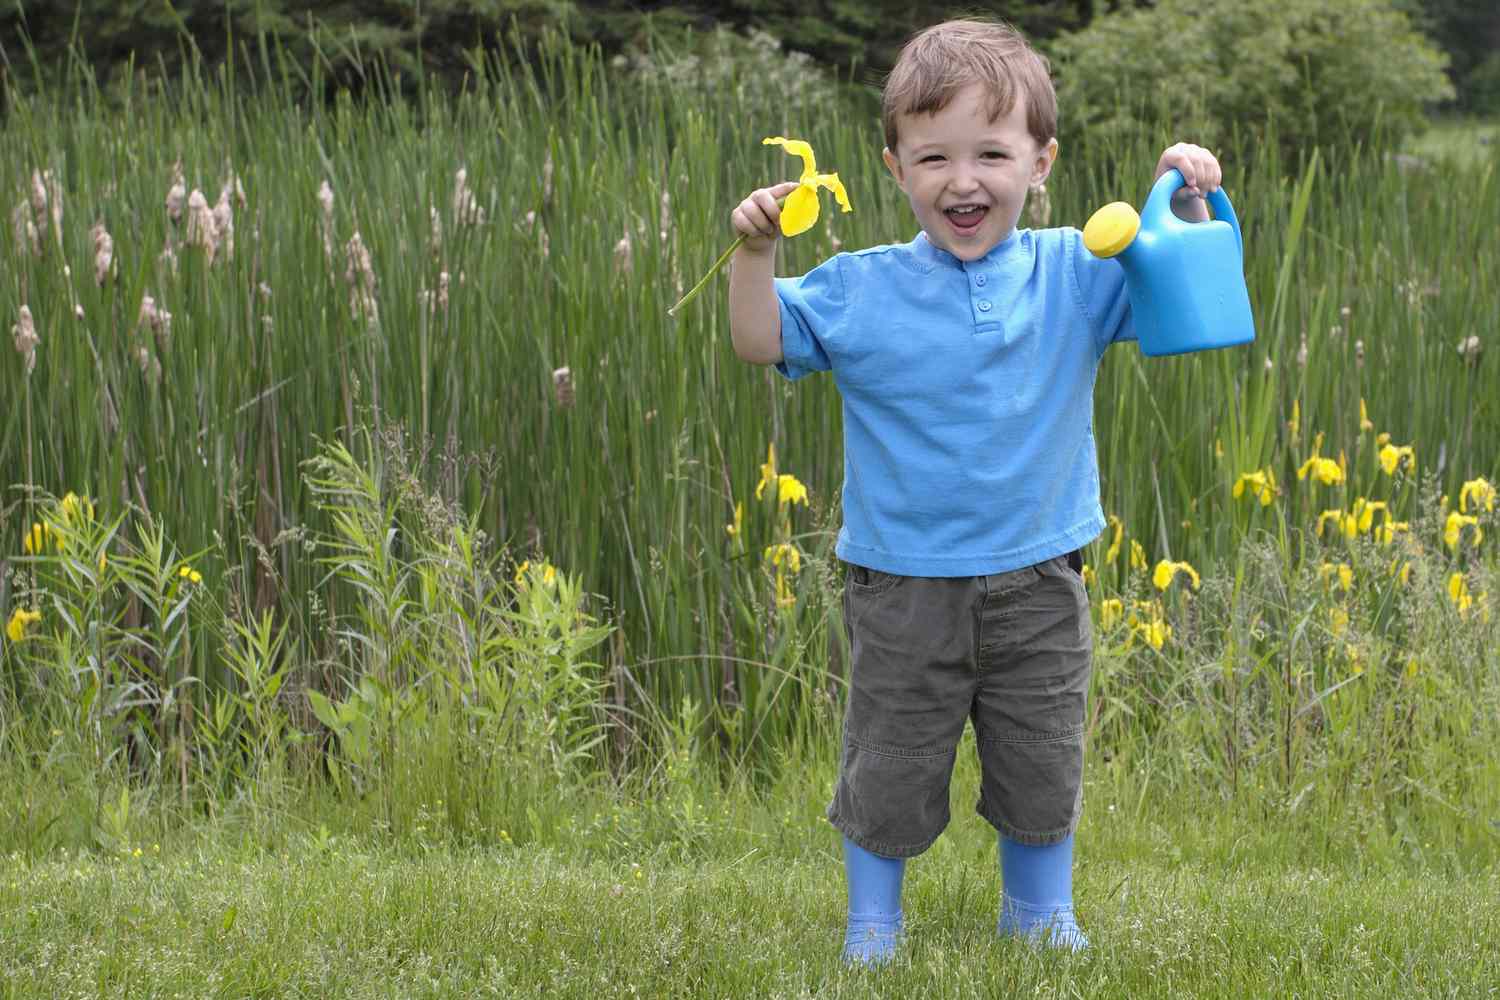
(875, 926)
(1037, 903)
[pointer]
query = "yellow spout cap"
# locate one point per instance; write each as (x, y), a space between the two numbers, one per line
(1111, 229)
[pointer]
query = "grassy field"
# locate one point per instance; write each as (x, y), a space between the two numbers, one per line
(1187, 905)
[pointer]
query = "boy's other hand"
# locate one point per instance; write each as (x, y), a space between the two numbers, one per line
(758, 217)
(1201, 174)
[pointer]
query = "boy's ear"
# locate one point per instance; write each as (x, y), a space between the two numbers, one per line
(1045, 158)
(894, 166)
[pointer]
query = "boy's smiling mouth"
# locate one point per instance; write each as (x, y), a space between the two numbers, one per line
(966, 218)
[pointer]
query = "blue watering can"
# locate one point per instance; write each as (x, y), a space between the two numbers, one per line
(1186, 280)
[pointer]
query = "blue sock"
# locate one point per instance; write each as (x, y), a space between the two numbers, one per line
(875, 919)
(1037, 903)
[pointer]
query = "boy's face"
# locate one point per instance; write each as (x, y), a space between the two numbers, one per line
(966, 176)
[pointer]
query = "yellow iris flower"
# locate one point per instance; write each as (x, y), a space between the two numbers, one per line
(798, 212)
(1114, 543)
(1137, 555)
(20, 622)
(1261, 484)
(1455, 526)
(1166, 571)
(784, 555)
(801, 208)
(1391, 456)
(1480, 491)
(1458, 593)
(1324, 470)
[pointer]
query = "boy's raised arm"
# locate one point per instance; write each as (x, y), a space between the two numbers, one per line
(754, 313)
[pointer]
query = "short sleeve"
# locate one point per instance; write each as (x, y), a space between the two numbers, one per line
(1101, 287)
(813, 307)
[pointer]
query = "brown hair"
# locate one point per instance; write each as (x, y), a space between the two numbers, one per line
(941, 60)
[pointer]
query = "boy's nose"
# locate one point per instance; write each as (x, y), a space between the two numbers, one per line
(963, 179)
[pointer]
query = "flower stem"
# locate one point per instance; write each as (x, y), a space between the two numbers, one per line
(718, 264)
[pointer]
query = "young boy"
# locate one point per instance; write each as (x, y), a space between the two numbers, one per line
(966, 362)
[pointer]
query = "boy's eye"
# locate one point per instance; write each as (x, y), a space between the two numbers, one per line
(931, 158)
(994, 154)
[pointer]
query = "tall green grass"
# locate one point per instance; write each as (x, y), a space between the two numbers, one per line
(594, 199)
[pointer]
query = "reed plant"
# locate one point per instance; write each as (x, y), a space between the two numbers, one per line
(219, 283)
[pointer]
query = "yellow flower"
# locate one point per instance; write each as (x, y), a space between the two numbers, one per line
(1364, 418)
(1113, 552)
(1391, 456)
(1327, 572)
(789, 489)
(1365, 511)
(1413, 667)
(75, 508)
(784, 554)
(1324, 470)
(549, 575)
(1155, 633)
(1356, 665)
(785, 597)
(1389, 529)
(1089, 577)
(521, 572)
(1111, 610)
(1341, 522)
(739, 520)
(1166, 571)
(1401, 570)
(1458, 593)
(20, 622)
(1455, 525)
(189, 574)
(1261, 483)
(35, 540)
(801, 208)
(1338, 621)
(1137, 555)
(767, 471)
(1480, 491)
(1295, 423)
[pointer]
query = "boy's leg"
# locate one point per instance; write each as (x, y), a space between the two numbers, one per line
(1035, 660)
(875, 918)
(911, 684)
(1037, 901)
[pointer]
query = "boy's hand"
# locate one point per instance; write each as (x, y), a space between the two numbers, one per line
(1200, 174)
(758, 217)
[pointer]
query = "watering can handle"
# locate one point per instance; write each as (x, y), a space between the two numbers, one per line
(1158, 210)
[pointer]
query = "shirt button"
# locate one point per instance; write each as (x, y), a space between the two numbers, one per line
(979, 279)
(984, 305)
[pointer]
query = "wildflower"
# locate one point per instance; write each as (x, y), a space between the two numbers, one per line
(1356, 663)
(189, 574)
(783, 554)
(1114, 543)
(1111, 610)
(1166, 571)
(1390, 529)
(1261, 483)
(75, 509)
(1324, 470)
(35, 540)
(789, 490)
(26, 338)
(785, 598)
(1401, 570)
(20, 622)
(1413, 667)
(1365, 510)
(1089, 576)
(1137, 555)
(1458, 593)
(1295, 424)
(1154, 633)
(1480, 491)
(1455, 525)
(799, 210)
(1391, 457)
(733, 529)
(1364, 418)
(1338, 621)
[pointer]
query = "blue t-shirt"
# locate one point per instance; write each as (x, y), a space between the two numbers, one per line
(967, 393)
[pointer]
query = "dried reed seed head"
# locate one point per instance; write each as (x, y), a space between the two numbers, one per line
(1270, 365)
(1302, 352)
(547, 178)
(104, 253)
(224, 220)
(623, 251)
(155, 318)
(435, 230)
(1359, 352)
(1470, 348)
(466, 209)
(325, 199)
(202, 230)
(562, 388)
(665, 217)
(176, 192)
(26, 338)
(28, 239)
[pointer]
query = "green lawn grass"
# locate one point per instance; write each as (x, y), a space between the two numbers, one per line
(1210, 907)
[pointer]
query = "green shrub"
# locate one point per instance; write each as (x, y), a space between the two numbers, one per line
(1347, 71)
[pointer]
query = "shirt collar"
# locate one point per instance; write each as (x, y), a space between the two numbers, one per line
(925, 251)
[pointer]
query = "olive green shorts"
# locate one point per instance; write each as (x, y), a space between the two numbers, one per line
(1012, 652)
